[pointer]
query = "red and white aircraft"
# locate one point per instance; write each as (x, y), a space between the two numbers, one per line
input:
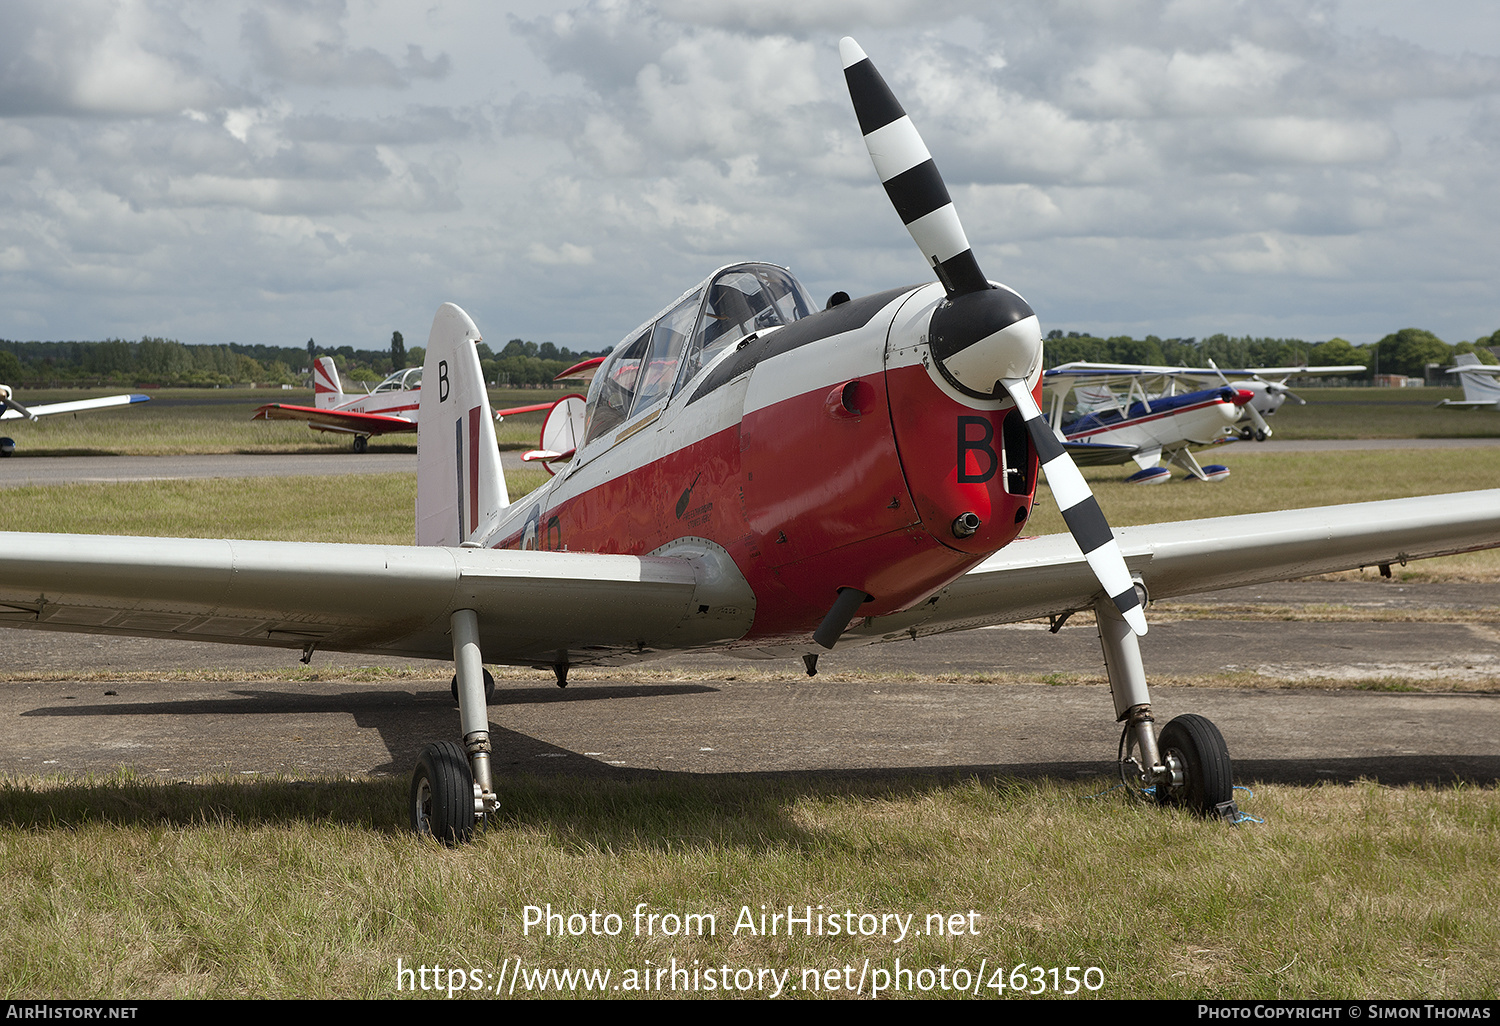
(10, 409)
(752, 475)
(388, 408)
(391, 407)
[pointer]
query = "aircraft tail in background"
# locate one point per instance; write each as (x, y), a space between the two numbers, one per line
(460, 484)
(327, 391)
(1480, 381)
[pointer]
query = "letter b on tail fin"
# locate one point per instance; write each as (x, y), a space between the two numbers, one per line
(460, 486)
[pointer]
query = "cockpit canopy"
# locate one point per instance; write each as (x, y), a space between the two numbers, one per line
(401, 380)
(653, 362)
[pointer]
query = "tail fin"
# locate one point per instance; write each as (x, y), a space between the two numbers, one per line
(327, 392)
(460, 485)
(1478, 386)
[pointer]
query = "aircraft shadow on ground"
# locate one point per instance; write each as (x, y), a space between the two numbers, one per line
(575, 796)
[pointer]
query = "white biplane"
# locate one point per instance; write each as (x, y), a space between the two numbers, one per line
(1142, 413)
(10, 409)
(751, 474)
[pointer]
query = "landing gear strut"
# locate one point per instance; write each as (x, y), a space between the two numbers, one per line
(1189, 764)
(451, 787)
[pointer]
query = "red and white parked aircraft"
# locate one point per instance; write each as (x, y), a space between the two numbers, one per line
(388, 408)
(752, 474)
(391, 407)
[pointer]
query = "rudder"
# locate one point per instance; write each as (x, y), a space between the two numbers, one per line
(328, 392)
(460, 484)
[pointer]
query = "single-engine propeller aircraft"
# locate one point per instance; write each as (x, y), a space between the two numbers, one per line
(391, 407)
(1155, 419)
(750, 474)
(1481, 383)
(10, 409)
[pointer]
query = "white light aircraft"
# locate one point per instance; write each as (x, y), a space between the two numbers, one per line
(752, 475)
(10, 409)
(1124, 412)
(1481, 383)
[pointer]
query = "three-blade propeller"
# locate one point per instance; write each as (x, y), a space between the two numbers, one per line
(984, 339)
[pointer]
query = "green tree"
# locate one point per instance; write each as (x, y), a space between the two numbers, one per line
(398, 351)
(1410, 350)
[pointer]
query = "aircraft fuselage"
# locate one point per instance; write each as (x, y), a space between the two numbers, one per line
(822, 454)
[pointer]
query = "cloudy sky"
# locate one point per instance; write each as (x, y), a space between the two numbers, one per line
(271, 171)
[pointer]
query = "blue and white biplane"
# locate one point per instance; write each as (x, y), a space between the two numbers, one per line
(1122, 413)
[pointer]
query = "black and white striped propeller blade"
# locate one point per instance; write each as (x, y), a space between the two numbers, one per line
(1080, 510)
(910, 177)
(984, 339)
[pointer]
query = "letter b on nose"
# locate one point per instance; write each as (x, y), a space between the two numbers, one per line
(985, 461)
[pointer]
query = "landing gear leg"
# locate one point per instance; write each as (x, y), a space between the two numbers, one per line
(452, 786)
(1190, 764)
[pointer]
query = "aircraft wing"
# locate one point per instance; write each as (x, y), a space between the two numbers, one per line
(1100, 454)
(76, 406)
(336, 420)
(532, 606)
(1046, 576)
(1115, 373)
(352, 598)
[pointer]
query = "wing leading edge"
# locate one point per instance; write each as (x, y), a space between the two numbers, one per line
(352, 598)
(1046, 576)
(337, 420)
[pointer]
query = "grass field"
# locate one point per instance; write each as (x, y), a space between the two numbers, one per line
(187, 420)
(129, 888)
(217, 889)
(1381, 413)
(196, 420)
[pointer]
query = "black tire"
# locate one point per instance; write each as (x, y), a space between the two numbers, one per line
(361, 443)
(1207, 776)
(442, 794)
(489, 688)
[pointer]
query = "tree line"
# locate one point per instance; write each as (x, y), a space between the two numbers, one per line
(170, 363)
(1406, 352)
(522, 364)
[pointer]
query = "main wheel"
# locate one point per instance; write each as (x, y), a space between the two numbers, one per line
(361, 443)
(442, 794)
(1192, 746)
(489, 687)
